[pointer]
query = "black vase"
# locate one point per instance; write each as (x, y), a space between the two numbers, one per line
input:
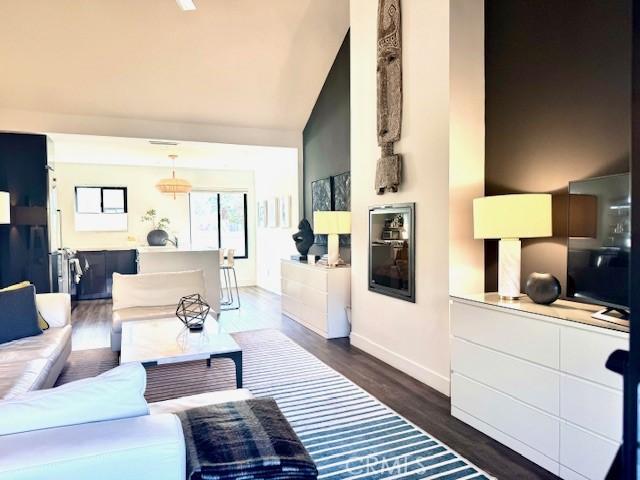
(157, 238)
(543, 288)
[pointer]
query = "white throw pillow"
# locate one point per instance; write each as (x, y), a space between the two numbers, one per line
(118, 393)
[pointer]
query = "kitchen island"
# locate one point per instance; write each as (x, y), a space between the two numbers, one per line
(171, 259)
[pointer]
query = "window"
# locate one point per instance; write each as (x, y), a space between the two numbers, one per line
(101, 199)
(101, 209)
(219, 220)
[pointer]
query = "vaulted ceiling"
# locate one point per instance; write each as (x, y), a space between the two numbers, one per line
(257, 63)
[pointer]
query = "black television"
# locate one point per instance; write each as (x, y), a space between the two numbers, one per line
(599, 244)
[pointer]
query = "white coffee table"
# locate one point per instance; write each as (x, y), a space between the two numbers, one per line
(167, 340)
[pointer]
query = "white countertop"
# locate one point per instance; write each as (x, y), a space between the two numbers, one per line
(316, 265)
(147, 249)
(99, 248)
(142, 249)
(560, 309)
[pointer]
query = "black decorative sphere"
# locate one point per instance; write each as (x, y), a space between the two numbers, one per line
(192, 311)
(543, 288)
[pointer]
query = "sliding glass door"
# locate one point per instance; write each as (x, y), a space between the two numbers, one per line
(219, 220)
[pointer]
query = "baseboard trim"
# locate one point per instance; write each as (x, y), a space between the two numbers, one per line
(411, 368)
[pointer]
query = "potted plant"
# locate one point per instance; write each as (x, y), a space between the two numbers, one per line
(158, 236)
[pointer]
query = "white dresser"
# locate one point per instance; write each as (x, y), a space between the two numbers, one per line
(317, 297)
(533, 378)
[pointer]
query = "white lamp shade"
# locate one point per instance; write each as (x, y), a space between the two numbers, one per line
(526, 215)
(331, 222)
(5, 207)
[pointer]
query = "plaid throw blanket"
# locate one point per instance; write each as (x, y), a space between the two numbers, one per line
(243, 440)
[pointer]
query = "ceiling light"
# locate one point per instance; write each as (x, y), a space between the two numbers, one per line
(173, 186)
(186, 5)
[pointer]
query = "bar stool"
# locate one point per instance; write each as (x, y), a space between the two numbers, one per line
(227, 267)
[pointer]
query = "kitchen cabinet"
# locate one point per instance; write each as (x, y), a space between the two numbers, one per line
(119, 261)
(97, 279)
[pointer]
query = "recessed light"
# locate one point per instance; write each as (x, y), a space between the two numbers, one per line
(186, 5)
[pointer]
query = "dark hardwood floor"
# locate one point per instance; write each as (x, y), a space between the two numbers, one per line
(422, 405)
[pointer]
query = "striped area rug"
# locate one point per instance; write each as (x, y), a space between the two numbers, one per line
(348, 432)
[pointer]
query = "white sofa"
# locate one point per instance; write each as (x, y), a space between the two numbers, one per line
(145, 446)
(147, 296)
(34, 363)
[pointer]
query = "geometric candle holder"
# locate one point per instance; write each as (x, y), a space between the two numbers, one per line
(192, 311)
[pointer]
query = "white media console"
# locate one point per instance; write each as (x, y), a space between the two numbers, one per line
(317, 297)
(533, 377)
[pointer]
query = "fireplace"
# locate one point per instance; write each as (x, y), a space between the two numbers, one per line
(392, 250)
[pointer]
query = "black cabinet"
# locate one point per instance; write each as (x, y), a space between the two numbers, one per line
(97, 279)
(93, 283)
(119, 261)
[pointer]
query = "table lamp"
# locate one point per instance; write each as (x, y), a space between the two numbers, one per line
(332, 224)
(510, 218)
(5, 207)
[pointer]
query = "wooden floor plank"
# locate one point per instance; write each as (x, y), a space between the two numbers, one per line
(422, 405)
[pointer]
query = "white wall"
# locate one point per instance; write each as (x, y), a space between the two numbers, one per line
(142, 195)
(466, 144)
(275, 179)
(411, 337)
(414, 337)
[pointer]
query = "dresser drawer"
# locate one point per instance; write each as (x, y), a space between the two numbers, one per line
(526, 424)
(311, 297)
(584, 354)
(290, 305)
(586, 453)
(526, 338)
(301, 312)
(592, 406)
(531, 383)
(313, 277)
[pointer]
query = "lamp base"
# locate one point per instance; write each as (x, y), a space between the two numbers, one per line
(333, 250)
(509, 299)
(509, 269)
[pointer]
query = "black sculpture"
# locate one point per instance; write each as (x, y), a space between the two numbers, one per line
(304, 238)
(543, 288)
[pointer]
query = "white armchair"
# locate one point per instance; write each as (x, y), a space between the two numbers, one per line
(147, 296)
(99, 428)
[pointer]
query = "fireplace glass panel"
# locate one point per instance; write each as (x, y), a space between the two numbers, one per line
(392, 250)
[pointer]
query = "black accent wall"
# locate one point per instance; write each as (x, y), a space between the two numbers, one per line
(326, 136)
(558, 106)
(24, 244)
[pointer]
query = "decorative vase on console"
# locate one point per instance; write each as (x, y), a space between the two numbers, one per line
(157, 237)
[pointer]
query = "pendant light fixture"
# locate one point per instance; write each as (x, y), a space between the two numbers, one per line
(174, 186)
